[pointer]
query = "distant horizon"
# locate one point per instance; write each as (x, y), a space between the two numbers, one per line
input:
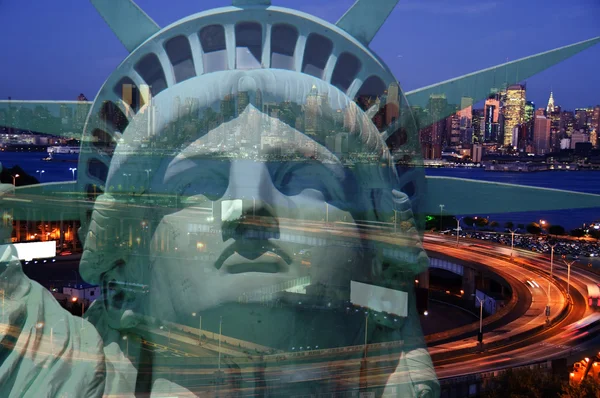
(67, 50)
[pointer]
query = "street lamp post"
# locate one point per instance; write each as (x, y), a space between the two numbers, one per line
(512, 241)
(441, 215)
(457, 230)
(73, 169)
(568, 264)
(220, 330)
(169, 335)
(481, 301)
(551, 278)
(199, 328)
(395, 220)
(127, 345)
(148, 177)
(40, 172)
(15, 180)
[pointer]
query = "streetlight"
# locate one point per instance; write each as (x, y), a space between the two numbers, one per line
(169, 330)
(199, 328)
(568, 263)
(220, 330)
(395, 220)
(550, 281)
(127, 344)
(512, 241)
(40, 172)
(148, 177)
(441, 212)
(457, 229)
(127, 175)
(481, 301)
(73, 169)
(15, 180)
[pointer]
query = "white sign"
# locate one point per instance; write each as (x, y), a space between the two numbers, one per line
(379, 298)
(29, 251)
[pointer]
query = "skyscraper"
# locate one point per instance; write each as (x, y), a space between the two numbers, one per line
(550, 107)
(595, 122)
(529, 120)
(491, 113)
(392, 104)
(514, 111)
(541, 134)
(466, 121)
(581, 119)
(243, 99)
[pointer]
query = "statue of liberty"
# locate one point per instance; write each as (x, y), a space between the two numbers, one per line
(249, 163)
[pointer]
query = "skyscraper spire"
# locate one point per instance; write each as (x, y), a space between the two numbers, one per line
(550, 107)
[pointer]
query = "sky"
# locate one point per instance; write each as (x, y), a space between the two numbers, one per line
(54, 50)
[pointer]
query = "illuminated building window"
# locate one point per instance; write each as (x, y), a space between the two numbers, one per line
(151, 71)
(180, 54)
(129, 93)
(283, 44)
(112, 114)
(248, 43)
(103, 141)
(369, 92)
(345, 71)
(318, 50)
(212, 39)
(97, 169)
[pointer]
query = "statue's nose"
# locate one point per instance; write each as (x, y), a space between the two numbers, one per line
(247, 208)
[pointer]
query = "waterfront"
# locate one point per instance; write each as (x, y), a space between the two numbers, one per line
(582, 181)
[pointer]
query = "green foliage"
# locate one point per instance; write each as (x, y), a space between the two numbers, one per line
(509, 225)
(556, 230)
(481, 221)
(494, 224)
(588, 388)
(534, 228)
(578, 232)
(523, 383)
(468, 221)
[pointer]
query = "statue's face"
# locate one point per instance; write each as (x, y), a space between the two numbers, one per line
(252, 224)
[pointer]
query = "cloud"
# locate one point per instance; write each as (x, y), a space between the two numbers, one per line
(444, 8)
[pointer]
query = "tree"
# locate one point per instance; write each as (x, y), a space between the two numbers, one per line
(468, 221)
(556, 230)
(509, 225)
(494, 224)
(521, 226)
(594, 233)
(481, 221)
(578, 233)
(523, 383)
(589, 387)
(534, 228)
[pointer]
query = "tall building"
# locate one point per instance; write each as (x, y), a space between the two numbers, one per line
(437, 106)
(578, 136)
(514, 111)
(243, 99)
(392, 111)
(529, 120)
(595, 122)
(491, 114)
(478, 125)
(567, 123)
(594, 138)
(555, 134)
(581, 119)
(541, 134)
(550, 107)
(466, 121)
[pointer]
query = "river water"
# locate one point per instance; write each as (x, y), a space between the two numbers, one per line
(582, 181)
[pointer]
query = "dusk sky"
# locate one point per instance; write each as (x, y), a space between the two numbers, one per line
(57, 49)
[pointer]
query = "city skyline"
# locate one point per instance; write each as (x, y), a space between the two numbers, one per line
(415, 62)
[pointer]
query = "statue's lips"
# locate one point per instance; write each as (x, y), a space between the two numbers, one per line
(270, 263)
(262, 256)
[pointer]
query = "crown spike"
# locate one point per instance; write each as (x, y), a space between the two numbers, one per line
(127, 20)
(364, 19)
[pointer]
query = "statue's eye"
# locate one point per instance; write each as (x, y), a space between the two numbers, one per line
(293, 178)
